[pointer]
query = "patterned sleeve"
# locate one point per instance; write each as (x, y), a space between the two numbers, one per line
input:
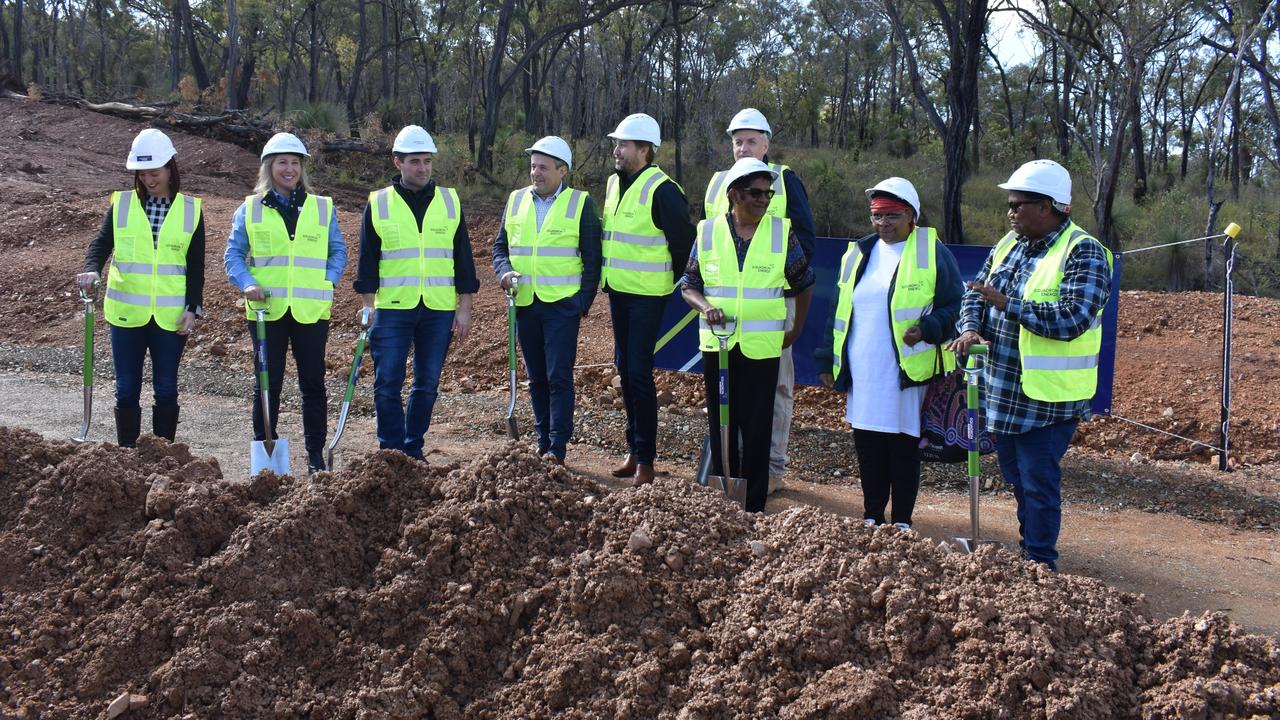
(1086, 285)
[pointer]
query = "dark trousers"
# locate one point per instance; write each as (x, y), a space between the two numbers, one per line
(129, 348)
(394, 332)
(889, 467)
(635, 331)
(1030, 462)
(308, 341)
(751, 390)
(549, 341)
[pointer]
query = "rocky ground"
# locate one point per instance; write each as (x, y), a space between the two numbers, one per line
(489, 585)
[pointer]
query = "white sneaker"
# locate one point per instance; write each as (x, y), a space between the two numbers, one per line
(903, 526)
(869, 522)
(775, 484)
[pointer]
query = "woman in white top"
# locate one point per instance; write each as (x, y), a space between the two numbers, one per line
(898, 299)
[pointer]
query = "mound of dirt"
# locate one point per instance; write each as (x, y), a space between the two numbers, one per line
(142, 581)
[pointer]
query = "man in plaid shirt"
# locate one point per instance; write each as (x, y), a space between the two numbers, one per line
(1037, 303)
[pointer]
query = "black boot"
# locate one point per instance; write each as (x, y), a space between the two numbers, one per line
(128, 425)
(315, 461)
(164, 421)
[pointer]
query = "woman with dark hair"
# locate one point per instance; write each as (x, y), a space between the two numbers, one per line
(155, 284)
(286, 249)
(898, 297)
(741, 264)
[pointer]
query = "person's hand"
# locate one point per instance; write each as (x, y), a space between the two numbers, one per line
(508, 278)
(960, 345)
(790, 337)
(255, 293)
(186, 322)
(828, 380)
(992, 296)
(714, 316)
(87, 280)
(462, 322)
(912, 335)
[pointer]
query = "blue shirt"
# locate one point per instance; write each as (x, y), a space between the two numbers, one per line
(233, 260)
(1086, 285)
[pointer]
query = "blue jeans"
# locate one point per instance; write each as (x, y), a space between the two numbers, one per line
(393, 332)
(1030, 463)
(635, 331)
(129, 348)
(549, 341)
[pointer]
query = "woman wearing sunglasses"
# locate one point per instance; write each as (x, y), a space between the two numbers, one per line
(898, 298)
(742, 264)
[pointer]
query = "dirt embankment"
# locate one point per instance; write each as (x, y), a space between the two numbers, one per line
(509, 588)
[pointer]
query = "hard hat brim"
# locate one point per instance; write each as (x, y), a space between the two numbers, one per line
(530, 151)
(132, 164)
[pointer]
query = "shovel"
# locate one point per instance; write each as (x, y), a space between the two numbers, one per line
(361, 340)
(734, 488)
(513, 432)
(88, 365)
(972, 373)
(268, 454)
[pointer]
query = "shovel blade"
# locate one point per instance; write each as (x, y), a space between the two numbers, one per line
(513, 432)
(733, 488)
(275, 459)
(969, 545)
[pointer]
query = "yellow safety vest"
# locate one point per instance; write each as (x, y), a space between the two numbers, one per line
(148, 274)
(637, 259)
(548, 260)
(416, 263)
(291, 269)
(910, 298)
(717, 199)
(1055, 370)
(753, 295)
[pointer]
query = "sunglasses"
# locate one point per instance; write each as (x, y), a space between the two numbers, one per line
(886, 217)
(757, 193)
(1016, 205)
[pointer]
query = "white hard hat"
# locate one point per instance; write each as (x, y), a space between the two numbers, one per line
(900, 188)
(414, 139)
(555, 147)
(750, 119)
(151, 149)
(284, 143)
(748, 166)
(1045, 177)
(638, 127)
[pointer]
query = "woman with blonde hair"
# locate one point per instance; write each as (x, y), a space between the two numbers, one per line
(286, 250)
(155, 285)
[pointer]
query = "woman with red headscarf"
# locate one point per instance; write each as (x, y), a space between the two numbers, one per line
(898, 299)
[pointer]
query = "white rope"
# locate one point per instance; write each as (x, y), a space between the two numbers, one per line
(588, 367)
(1162, 432)
(1180, 242)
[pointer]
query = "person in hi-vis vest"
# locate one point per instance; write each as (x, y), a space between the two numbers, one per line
(1038, 302)
(897, 299)
(646, 243)
(155, 237)
(741, 265)
(549, 245)
(417, 276)
(749, 134)
(286, 249)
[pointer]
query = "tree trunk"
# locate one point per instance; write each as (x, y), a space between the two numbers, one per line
(1139, 155)
(357, 70)
(17, 41)
(198, 70)
(233, 54)
(175, 49)
(383, 53)
(1234, 157)
(678, 110)
(313, 68)
(493, 87)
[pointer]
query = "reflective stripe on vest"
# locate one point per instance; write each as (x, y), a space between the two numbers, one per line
(910, 298)
(1055, 370)
(416, 264)
(292, 270)
(751, 295)
(147, 275)
(547, 258)
(637, 259)
(716, 201)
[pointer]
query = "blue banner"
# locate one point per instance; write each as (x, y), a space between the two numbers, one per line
(678, 343)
